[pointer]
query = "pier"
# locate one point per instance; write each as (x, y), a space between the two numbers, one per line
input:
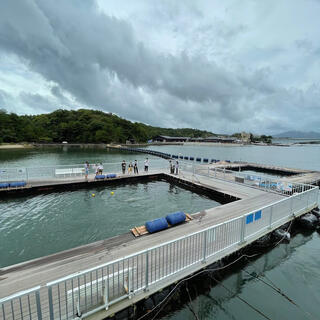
(99, 279)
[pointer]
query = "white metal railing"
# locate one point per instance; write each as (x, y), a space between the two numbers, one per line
(264, 182)
(22, 305)
(98, 288)
(59, 172)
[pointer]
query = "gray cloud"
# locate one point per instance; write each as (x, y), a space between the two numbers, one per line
(38, 102)
(102, 62)
(3, 97)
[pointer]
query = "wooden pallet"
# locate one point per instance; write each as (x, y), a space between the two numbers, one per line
(140, 231)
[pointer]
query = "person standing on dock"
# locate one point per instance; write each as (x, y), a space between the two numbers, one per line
(123, 166)
(171, 167)
(86, 169)
(177, 167)
(135, 167)
(146, 165)
(130, 166)
(100, 168)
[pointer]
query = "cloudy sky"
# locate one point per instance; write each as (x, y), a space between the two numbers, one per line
(224, 66)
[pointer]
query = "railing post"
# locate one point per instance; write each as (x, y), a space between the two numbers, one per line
(205, 233)
(39, 313)
(224, 173)
(106, 293)
(270, 218)
(147, 272)
(208, 171)
(243, 230)
(291, 206)
(50, 303)
(215, 172)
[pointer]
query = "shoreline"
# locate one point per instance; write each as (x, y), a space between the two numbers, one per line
(103, 145)
(16, 146)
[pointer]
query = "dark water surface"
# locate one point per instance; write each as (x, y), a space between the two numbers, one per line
(65, 220)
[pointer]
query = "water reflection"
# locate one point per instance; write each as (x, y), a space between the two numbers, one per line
(219, 300)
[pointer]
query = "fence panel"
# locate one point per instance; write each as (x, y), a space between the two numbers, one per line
(257, 221)
(22, 306)
(13, 174)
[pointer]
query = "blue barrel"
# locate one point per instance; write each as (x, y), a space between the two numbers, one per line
(205, 160)
(111, 175)
(4, 185)
(186, 158)
(198, 159)
(191, 158)
(157, 225)
(176, 217)
(100, 176)
(181, 157)
(17, 184)
(213, 160)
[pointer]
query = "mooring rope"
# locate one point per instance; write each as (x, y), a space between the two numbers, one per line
(243, 300)
(166, 299)
(190, 306)
(209, 270)
(278, 290)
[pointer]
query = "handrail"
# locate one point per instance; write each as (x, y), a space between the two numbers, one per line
(304, 195)
(19, 294)
(171, 241)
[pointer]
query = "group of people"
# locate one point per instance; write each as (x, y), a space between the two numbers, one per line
(174, 167)
(133, 167)
(98, 168)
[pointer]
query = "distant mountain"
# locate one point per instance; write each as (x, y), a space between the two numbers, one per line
(298, 134)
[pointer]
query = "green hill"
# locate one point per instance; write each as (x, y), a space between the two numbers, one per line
(87, 126)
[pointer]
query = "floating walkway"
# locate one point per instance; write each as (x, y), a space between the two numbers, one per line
(300, 175)
(102, 278)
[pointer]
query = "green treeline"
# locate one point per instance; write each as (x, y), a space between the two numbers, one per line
(87, 126)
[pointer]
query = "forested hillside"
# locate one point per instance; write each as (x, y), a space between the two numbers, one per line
(82, 125)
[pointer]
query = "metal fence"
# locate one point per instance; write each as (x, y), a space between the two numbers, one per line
(59, 172)
(98, 288)
(23, 305)
(264, 182)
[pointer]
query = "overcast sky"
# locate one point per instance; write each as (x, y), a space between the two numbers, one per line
(224, 66)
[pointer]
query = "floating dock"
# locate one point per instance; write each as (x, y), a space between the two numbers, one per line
(99, 279)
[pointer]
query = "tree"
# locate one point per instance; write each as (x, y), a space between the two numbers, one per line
(82, 126)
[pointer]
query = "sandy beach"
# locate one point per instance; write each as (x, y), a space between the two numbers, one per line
(15, 146)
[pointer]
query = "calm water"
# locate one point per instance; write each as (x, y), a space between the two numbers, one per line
(302, 157)
(26, 223)
(65, 155)
(70, 219)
